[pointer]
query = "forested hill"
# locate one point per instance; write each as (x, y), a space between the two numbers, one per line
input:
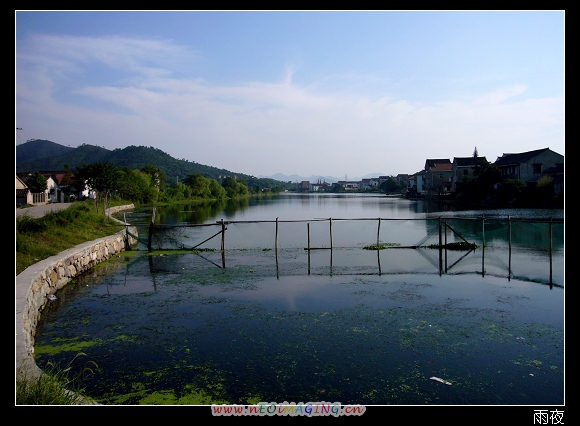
(42, 155)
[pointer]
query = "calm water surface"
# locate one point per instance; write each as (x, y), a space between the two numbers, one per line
(267, 320)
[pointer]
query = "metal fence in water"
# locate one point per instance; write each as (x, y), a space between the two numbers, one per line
(452, 239)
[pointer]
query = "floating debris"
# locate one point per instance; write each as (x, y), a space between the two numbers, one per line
(51, 297)
(437, 379)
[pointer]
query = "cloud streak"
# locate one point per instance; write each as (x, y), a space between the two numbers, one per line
(147, 95)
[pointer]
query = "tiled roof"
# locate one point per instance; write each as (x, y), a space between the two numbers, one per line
(431, 162)
(441, 167)
(469, 161)
(522, 157)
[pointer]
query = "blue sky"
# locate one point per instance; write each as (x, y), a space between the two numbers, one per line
(329, 93)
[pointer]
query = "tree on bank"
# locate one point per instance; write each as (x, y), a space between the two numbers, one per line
(390, 185)
(137, 186)
(235, 188)
(99, 178)
(479, 189)
(36, 183)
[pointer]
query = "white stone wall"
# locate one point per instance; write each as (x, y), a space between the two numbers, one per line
(37, 282)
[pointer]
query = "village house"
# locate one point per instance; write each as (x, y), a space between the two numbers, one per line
(350, 185)
(438, 177)
(463, 168)
(23, 194)
(531, 166)
(52, 193)
(416, 186)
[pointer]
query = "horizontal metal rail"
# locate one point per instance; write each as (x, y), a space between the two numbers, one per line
(487, 218)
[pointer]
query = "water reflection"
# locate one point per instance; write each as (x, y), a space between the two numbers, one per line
(266, 320)
(180, 325)
(288, 221)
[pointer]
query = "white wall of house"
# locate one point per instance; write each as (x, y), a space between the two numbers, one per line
(535, 167)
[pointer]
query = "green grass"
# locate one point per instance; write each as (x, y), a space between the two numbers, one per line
(40, 238)
(53, 386)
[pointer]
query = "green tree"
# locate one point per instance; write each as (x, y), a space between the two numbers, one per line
(178, 192)
(216, 190)
(68, 177)
(480, 189)
(510, 191)
(235, 188)
(136, 186)
(390, 185)
(199, 185)
(101, 178)
(36, 183)
(158, 178)
(337, 187)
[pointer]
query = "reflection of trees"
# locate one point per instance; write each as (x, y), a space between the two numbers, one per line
(234, 205)
(197, 212)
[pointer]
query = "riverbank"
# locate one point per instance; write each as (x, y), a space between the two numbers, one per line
(37, 285)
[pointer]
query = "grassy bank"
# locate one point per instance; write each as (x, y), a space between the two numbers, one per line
(54, 386)
(38, 239)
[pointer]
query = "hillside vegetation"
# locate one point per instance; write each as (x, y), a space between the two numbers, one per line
(43, 155)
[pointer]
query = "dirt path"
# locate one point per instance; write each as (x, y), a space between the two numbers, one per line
(39, 211)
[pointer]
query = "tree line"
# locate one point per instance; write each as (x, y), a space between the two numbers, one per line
(145, 186)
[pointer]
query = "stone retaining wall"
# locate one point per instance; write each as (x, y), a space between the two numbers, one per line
(36, 283)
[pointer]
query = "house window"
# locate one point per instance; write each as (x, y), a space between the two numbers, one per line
(537, 168)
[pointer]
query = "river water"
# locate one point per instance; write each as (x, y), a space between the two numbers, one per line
(267, 320)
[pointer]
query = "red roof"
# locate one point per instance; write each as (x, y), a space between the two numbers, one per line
(441, 167)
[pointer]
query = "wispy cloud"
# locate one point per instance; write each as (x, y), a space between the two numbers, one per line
(147, 92)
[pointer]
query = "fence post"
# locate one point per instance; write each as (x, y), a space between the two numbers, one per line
(330, 233)
(223, 245)
(445, 225)
(550, 252)
(277, 275)
(276, 235)
(223, 236)
(308, 230)
(509, 248)
(440, 249)
(483, 246)
(483, 229)
(151, 229)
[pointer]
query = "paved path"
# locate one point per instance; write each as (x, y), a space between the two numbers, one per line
(39, 211)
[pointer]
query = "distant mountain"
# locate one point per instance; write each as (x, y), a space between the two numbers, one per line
(316, 178)
(43, 155)
(37, 149)
(295, 178)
